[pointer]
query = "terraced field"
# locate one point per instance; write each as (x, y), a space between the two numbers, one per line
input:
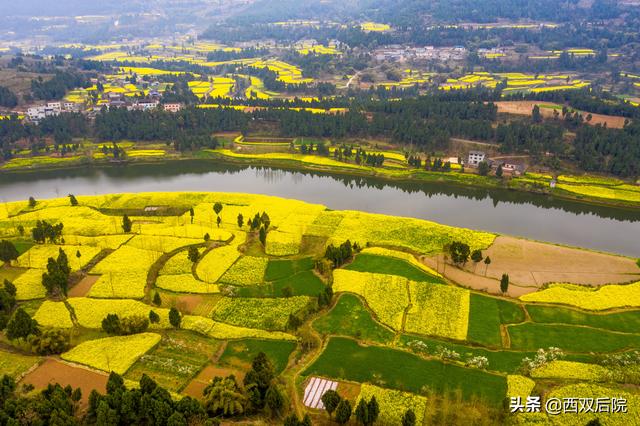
(389, 326)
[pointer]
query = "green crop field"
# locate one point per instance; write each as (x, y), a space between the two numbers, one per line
(530, 336)
(345, 359)
(387, 265)
(350, 318)
(243, 352)
(626, 322)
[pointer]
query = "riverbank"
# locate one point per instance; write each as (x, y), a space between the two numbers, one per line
(608, 192)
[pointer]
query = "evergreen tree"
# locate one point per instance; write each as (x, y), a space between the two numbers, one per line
(73, 200)
(343, 412)
(157, 300)
(32, 202)
(274, 401)
(21, 326)
(193, 254)
(362, 413)
(330, 400)
(175, 318)
(240, 220)
(263, 236)
(409, 418)
(8, 251)
(373, 409)
(154, 318)
(126, 224)
(504, 283)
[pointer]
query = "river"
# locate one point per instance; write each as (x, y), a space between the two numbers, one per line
(514, 213)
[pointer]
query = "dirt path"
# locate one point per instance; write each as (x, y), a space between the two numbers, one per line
(84, 286)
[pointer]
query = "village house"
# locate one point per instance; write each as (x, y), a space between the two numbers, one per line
(476, 157)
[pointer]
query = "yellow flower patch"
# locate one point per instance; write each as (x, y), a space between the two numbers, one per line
(185, 283)
(91, 312)
(386, 295)
(571, 370)
(246, 271)
(53, 314)
(519, 386)
(393, 403)
(223, 331)
(124, 273)
(438, 310)
(115, 354)
(605, 297)
(38, 256)
(162, 244)
(29, 285)
(261, 313)
(216, 262)
(282, 243)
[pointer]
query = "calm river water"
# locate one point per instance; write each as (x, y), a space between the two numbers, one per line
(508, 212)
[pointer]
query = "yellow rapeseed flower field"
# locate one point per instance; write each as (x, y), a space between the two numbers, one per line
(605, 297)
(438, 310)
(115, 354)
(386, 295)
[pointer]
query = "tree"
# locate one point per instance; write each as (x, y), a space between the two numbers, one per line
(499, 171)
(409, 418)
(73, 200)
(22, 325)
(157, 300)
(32, 202)
(194, 254)
(274, 401)
(374, 409)
(217, 208)
(174, 318)
(240, 220)
(362, 412)
(487, 262)
(224, 397)
(207, 237)
(8, 251)
(126, 224)
(191, 213)
(330, 400)
(504, 283)
(10, 288)
(459, 252)
(343, 412)
(218, 221)
(154, 318)
(51, 341)
(56, 279)
(263, 236)
(536, 117)
(476, 256)
(111, 324)
(483, 168)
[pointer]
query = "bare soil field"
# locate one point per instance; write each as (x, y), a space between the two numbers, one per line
(197, 385)
(531, 264)
(54, 371)
(525, 108)
(83, 287)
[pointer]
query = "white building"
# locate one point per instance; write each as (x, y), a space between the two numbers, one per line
(476, 157)
(173, 107)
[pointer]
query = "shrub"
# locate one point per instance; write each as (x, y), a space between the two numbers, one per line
(51, 341)
(134, 325)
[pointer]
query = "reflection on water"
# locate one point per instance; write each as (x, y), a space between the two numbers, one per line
(534, 216)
